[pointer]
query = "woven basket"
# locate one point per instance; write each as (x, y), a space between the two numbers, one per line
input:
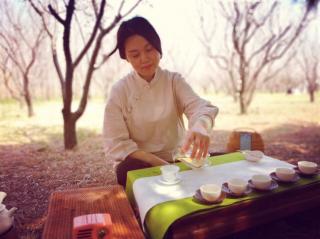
(245, 139)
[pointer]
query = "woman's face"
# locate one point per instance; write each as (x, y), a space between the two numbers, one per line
(143, 57)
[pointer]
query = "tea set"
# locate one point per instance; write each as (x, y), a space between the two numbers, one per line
(237, 187)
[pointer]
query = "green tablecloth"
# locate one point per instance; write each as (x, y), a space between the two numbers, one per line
(154, 171)
(160, 217)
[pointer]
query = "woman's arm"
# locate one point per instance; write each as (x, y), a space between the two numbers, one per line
(148, 158)
(117, 142)
(201, 115)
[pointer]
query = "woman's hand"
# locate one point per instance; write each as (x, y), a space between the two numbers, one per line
(197, 136)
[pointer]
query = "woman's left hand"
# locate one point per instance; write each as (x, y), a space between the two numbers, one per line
(199, 138)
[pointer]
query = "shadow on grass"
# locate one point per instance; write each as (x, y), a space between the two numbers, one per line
(293, 142)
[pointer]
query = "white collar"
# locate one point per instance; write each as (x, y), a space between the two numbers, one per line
(143, 82)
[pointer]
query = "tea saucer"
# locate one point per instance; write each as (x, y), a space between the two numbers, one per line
(229, 193)
(178, 179)
(273, 186)
(198, 197)
(302, 174)
(274, 176)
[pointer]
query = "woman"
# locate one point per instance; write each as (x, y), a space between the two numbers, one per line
(143, 117)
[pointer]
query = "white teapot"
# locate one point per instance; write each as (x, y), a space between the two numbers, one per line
(6, 216)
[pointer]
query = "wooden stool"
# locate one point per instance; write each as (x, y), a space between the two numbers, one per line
(65, 205)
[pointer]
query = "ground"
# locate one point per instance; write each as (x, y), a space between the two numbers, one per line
(34, 164)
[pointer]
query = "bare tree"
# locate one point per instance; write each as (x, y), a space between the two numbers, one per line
(312, 4)
(208, 26)
(308, 61)
(91, 49)
(19, 49)
(108, 74)
(10, 81)
(287, 80)
(255, 41)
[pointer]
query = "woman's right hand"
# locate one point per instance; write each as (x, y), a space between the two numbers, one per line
(198, 141)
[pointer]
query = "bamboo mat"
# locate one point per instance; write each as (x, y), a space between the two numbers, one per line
(65, 205)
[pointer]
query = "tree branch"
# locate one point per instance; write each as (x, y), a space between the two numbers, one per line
(40, 13)
(56, 15)
(93, 34)
(91, 69)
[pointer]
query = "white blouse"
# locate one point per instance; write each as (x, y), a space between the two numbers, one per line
(147, 115)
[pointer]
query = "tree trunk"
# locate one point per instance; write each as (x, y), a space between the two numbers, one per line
(30, 106)
(242, 92)
(27, 97)
(243, 106)
(311, 96)
(69, 130)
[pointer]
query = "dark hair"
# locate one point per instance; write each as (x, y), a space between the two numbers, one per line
(137, 26)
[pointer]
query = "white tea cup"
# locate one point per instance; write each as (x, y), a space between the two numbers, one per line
(237, 185)
(253, 156)
(307, 167)
(285, 174)
(169, 172)
(210, 192)
(261, 181)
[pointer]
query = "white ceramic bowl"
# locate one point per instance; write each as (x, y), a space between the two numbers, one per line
(307, 167)
(169, 172)
(253, 156)
(285, 174)
(261, 181)
(237, 185)
(210, 192)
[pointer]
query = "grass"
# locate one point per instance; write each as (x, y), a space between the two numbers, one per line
(266, 111)
(47, 125)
